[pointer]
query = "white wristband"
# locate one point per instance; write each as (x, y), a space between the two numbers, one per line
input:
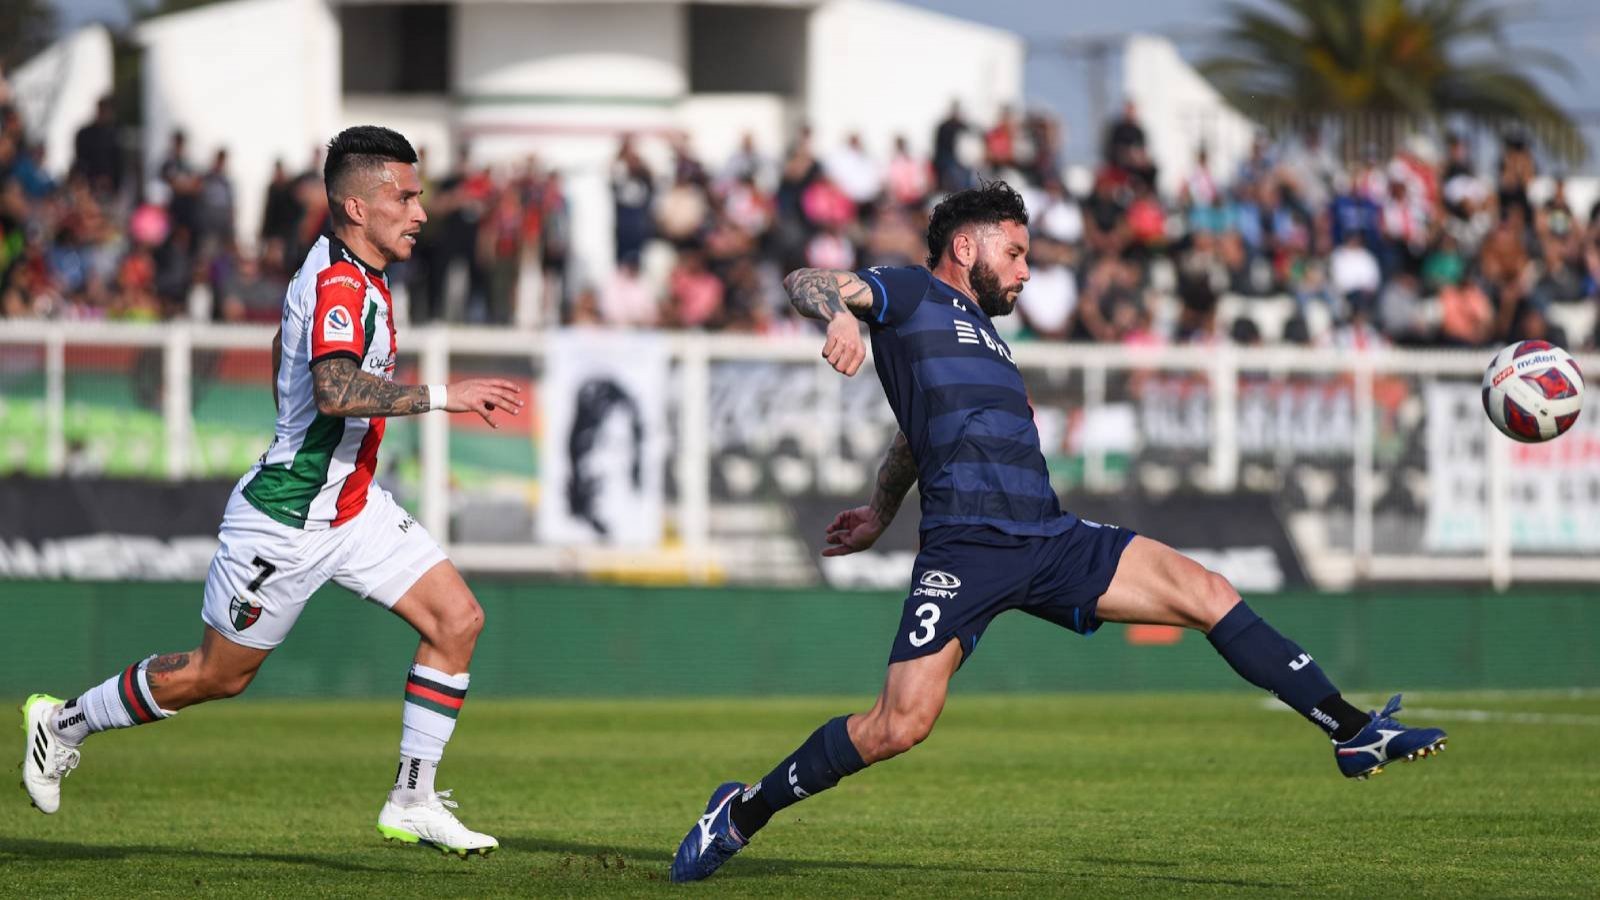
(437, 396)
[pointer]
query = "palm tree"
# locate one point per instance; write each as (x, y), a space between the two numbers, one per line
(1420, 58)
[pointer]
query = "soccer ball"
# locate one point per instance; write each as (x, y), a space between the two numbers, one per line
(1532, 391)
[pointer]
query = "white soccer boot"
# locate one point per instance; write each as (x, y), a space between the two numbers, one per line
(48, 758)
(430, 822)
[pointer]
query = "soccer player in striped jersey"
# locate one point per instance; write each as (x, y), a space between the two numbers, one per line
(309, 511)
(994, 536)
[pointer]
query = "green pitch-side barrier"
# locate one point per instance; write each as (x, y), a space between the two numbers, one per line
(582, 640)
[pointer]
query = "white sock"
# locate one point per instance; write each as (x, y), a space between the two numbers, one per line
(414, 775)
(71, 723)
(121, 701)
(433, 700)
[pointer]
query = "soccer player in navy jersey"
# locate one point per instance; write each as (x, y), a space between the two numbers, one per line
(994, 537)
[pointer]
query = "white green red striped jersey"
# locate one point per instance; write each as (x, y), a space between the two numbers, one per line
(316, 472)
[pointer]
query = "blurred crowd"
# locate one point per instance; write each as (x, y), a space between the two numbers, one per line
(1421, 246)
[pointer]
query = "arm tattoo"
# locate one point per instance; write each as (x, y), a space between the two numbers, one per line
(815, 293)
(342, 389)
(167, 662)
(896, 474)
(158, 669)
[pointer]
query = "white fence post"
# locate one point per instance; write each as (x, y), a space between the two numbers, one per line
(694, 454)
(55, 400)
(1094, 400)
(177, 398)
(1363, 478)
(1497, 543)
(433, 444)
(1224, 419)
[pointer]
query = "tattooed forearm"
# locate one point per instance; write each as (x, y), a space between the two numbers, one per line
(342, 389)
(896, 474)
(817, 294)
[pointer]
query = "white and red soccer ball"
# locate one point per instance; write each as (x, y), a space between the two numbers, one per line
(1532, 391)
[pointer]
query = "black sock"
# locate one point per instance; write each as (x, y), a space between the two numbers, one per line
(1271, 661)
(827, 756)
(1350, 719)
(750, 813)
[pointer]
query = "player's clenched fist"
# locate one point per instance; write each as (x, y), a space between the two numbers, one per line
(844, 349)
(483, 396)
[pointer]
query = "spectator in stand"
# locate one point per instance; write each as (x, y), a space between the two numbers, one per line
(98, 151)
(1124, 137)
(695, 295)
(746, 165)
(633, 193)
(952, 174)
(215, 205)
(1506, 267)
(500, 249)
(1050, 298)
(910, 180)
(1515, 176)
(1354, 275)
(183, 187)
(627, 300)
(255, 290)
(856, 173)
(281, 212)
(1000, 141)
(1059, 217)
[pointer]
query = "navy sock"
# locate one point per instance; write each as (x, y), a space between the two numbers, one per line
(1271, 661)
(827, 756)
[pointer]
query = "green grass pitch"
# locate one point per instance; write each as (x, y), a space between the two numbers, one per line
(1089, 795)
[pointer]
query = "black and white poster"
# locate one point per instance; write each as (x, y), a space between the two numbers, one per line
(605, 436)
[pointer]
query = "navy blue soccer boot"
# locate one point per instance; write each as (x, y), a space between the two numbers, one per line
(712, 841)
(1383, 741)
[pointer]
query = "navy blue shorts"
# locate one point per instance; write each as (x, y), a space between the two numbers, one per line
(966, 575)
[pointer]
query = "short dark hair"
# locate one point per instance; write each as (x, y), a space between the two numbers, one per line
(990, 203)
(359, 148)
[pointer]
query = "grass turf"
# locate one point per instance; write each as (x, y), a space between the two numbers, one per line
(1088, 795)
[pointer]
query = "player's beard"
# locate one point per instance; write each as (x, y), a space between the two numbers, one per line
(992, 297)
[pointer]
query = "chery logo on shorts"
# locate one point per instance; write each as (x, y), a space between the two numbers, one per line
(935, 583)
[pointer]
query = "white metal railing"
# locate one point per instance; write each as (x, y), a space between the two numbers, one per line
(694, 354)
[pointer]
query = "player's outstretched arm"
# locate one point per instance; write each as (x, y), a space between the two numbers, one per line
(342, 389)
(859, 528)
(837, 298)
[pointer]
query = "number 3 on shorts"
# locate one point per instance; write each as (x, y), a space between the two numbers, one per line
(927, 615)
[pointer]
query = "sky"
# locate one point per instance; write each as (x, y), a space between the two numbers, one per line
(1058, 75)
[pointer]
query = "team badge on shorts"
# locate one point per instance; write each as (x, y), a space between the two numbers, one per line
(244, 613)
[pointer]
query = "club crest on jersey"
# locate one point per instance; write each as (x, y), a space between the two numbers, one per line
(244, 613)
(338, 326)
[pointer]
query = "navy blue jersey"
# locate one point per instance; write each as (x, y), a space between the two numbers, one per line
(962, 406)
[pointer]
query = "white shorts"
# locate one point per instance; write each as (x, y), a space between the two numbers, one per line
(264, 571)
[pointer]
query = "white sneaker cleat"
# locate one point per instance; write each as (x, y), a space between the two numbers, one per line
(48, 758)
(430, 822)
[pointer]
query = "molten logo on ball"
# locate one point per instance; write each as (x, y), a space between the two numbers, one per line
(1532, 391)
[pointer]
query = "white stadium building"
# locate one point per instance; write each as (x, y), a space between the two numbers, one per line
(271, 79)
